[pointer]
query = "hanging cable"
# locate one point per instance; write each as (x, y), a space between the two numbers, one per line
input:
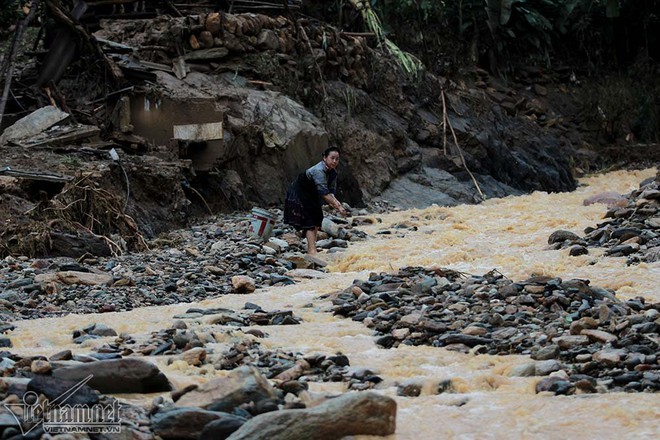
(115, 157)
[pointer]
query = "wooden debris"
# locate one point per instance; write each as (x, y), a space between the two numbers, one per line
(7, 67)
(215, 53)
(65, 18)
(61, 135)
(180, 68)
(32, 175)
(33, 124)
(62, 50)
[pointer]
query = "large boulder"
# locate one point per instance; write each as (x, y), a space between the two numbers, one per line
(243, 385)
(188, 423)
(350, 414)
(117, 376)
(292, 137)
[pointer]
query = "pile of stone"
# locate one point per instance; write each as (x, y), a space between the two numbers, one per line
(181, 337)
(188, 265)
(631, 227)
(260, 382)
(295, 371)
(190, 343)
(596, 340)
(242, 405)
(212, 39)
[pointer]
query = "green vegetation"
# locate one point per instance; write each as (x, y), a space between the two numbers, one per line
(409, 63)
(71, 162)
(9, 13)
(496, 33)
(615, 40)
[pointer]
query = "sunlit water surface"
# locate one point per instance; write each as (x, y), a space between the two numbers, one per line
(509, 235)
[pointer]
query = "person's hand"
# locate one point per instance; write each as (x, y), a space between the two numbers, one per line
(342, 211)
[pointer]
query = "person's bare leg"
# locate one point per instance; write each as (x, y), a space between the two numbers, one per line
(310, 234)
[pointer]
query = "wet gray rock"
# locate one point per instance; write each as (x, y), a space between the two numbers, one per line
(547, 352)
(243, 385)
(523, 370)
(430, 185)
(563, 236)
(578, 250)
(62, 356)
(183, 423)
(222, 427)
(53, 388)
(556, 385)
(544, 368)
(349, 414)
(410, 388)
(99, 330)
(118, 376)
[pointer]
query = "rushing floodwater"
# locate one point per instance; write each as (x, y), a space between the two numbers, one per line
(509, 235)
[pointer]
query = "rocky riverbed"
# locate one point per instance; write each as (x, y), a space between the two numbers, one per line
(204, 261)
(579, 338)
(630, 227)
(581, 335)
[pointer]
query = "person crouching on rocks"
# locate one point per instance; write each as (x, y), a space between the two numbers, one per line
(306, 194)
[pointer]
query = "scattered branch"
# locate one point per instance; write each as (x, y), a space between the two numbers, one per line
(460, 152)
(84, 206)
(201, 197)
(311, 51)
(444, 123)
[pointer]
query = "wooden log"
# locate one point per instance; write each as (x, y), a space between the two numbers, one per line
(358, 34)
(74, 246)
(215, 53)
(45, 177)
(33, 124)
(7, 65)
(365, 413)
(65, 135)
(65, 18)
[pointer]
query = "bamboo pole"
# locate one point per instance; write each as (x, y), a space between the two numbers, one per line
(444, 123)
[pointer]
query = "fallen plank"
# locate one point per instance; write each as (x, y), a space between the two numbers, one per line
(33, 175)
(74, 246)
(62, 135)
(114, 46)
(33, 124)
(215, 53)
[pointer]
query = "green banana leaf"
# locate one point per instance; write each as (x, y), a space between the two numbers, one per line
(505, 11)
(612, 8)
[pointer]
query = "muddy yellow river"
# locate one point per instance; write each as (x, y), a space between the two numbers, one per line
(509, 235)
